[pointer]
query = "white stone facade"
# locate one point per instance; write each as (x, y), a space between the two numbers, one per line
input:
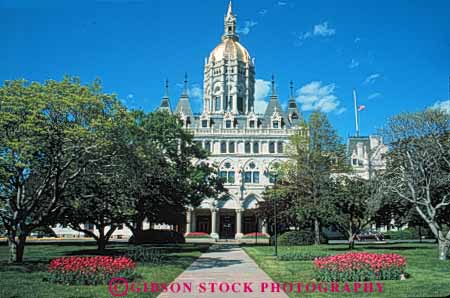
(244, 145)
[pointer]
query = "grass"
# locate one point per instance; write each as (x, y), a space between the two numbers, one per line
(27, 280)
(428, 277)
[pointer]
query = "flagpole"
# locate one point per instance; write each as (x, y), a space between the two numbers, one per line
(356, 113)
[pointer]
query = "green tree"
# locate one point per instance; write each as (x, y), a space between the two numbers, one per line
(418, 168)
(313, 163)
(48, 134)
(353, 205)
(165, 172)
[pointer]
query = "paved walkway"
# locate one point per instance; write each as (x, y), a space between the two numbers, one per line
(224, 265)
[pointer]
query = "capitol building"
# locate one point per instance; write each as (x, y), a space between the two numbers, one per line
(246, 146)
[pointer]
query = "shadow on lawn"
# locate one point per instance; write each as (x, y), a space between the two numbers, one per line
(26, 267)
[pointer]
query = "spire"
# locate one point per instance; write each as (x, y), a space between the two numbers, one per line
(185, 88)
(274, 105)
(230, 24)
(230, 9)
(292, 89)
(294, 116)
(184, 106)
(166, 89)
(165, 102)
(273, 85)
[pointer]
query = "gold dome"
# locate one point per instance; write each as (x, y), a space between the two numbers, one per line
(230, 49)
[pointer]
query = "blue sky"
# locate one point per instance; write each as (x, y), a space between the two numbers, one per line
(395, 53)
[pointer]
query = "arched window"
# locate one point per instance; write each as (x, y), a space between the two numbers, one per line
(251, 174)
(280, 147)
(223, 147)
(247, 148)
(271, 147)
(255, 147)
(217, 103)
(231, 147)
(227, 173)
(208, 146)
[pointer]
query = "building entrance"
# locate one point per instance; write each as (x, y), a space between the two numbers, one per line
(227, 226)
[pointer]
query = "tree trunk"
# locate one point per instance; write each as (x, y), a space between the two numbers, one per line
(444, 247)
(316, 232)
(101, 243)
(16, 248)
(12, 249)
(351, 242)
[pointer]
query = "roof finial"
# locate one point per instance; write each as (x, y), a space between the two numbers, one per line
(230, 9)
(273, 85)
(292, 89)
(185, 90)
(166, 89)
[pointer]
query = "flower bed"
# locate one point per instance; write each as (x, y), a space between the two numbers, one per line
(198, 235)
(255, 235)
(90, 270)
(360, 267)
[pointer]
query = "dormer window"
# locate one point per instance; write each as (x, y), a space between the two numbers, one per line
(252, 124)
(204, 123)
(228, 124)
(275, 124)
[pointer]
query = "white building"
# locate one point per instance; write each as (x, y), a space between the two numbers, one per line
(245, 145)
(366, 155)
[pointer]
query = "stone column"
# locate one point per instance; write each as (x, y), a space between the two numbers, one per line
(193, 221)
(238, 224)
(188, 221)
(214, 223)
(264, 227)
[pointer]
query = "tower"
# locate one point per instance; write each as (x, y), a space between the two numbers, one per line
(229, 75)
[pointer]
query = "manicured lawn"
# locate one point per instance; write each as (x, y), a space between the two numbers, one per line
(26, 281)
(428, 277)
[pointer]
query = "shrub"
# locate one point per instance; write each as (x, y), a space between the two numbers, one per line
(90, 270)
(198, 235)
(154, 255)
(301, 255)
(410, 233)
(290, 238)
(254, 235)
(359, 267)
(157, 237)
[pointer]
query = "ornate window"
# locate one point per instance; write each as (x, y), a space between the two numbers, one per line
(228, 124)
(227, 173)
(273, 172)
(251, 173)
(204, 123)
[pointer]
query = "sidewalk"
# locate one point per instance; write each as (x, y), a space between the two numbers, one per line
(225, 265)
